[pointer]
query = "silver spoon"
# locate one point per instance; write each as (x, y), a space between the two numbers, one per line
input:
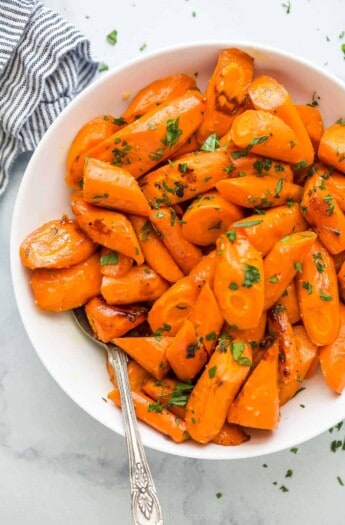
(146, 509)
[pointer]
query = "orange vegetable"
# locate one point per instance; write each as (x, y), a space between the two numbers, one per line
(185, 254)
(318, 295)
(203, 271)
(306, 348)
(332, 146)
(332, 358)
(156, 254)
(238, 280)
(56, 244)
(333, 181)
(137, 375)
(107, 227)
(62, 289)
(253, 336)
(192, 144)
(113, 187)
(114, 264)
(109, 321)
(207, 318)
(140, 284)
(341, 281)
(290, 302)
(207, 217)
(230, 435)
(257, 404)
(313, 123)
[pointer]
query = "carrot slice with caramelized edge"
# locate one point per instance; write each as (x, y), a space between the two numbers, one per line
(137, 375)
(252, 336)
(56, 244)
(113, 187)
(62, 289)
(332, 358)
(290, 302)
(238, 280)
(307, 350)
(332, 146)
(313, 123)
(216, 388)
(114, 264)
(109, 321)
(203, 271)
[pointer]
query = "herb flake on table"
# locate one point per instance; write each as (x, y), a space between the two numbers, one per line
(340, 481)
(219, 495)
(142, 47)
(287, 7)
(103, 67)
(112, 37)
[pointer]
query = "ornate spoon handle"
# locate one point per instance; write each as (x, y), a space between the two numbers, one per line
(146, 509)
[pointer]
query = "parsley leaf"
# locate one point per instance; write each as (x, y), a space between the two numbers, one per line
(211, 143)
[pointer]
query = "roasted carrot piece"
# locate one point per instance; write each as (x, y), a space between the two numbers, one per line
(150, 139)
(207, 217)
(203, 271)
(332, 358)
(230, 435)
(156, 254)
(207, 318)
(107, 227)
(283, 262)
(252, 336)
(91, 134)
(186, 354)
(216, 388)
(332, 146)
(56, 244)
(156, 93)
(313, 123)
(323, 213)
(192, 144)
(341, 281)
(238, 280)
(226, 91)
(109, 321)
(137, 375)
(290, 302)
(113, 187)
(163, 421)
(254, 191)
(263, 231)
(307, 350)
(267, 94)
(331, 180)
(62, 289)
(318, 295)
(257, 404)
(289, 359)
(185, 254)
(114, 264)
(267, 135)
(185, 178)
(140, 284)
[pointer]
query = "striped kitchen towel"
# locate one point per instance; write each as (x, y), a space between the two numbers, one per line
(44, 63)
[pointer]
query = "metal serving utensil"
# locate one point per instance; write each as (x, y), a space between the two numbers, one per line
(146, 509)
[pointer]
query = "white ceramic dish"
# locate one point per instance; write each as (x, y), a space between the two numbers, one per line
(75, 364)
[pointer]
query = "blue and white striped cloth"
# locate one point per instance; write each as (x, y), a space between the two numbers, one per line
(44, 63)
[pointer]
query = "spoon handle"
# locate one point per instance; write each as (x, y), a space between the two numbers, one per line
(146, 509)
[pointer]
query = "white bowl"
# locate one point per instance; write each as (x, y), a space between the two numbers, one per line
(75, 364)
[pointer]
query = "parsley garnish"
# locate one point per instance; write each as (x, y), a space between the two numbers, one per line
(298, 267)
(237, 349)
(233, 286)
(112, 37)
(103, 67)
(307, 286)
(210, 336)
(211, 143)
(216, 226)
(251, 276)
(243, 152)
(142, 47)
(247, 224)
(109, 258)
(172, 133)
(212, 372)
(325, 297)
(231, 235)
(119, 121)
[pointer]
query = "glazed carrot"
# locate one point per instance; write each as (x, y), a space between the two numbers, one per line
(306, 348)
(283, 262)
(207, 318)
(57, 290)
(267, 135)
(338, 260)
(253, 336)
(107, 227)
(238, 280)
(109, 321)
(207, 217)
(149, 352)
(230, 435)
(226, 91)
(113, 187)
(267, 94)
(163, 421)
(333, 181)
(150, 139)
(257, 404)
(332, 358)
(263, 231)
(290, 302)
(137, 375)
(185, 178)
(156, 93)
(140, 284)
(332, 146)
(253, 191)
(114, 264)
(313, 123)
(341, 281)
(91, 134)
(185, 254)
(203, 271)
(56, 244)
(216, 388)
(313, 366)
(318, 295)
(323, 213)
(289, 359)
(156, 254)
(192, 144)
(174, 305)
(186, 354)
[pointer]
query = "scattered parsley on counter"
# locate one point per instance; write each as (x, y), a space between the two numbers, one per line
(103, 67)
(283, 488)
(294, 450)
(142, 47)
(287, 7)
(112, 37)
(289, 473)
(219, 495)
(340, 481)
(193, 14)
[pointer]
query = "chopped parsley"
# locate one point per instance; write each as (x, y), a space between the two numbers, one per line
(142, 47)
(248, 224)
(172, 133)
(112, 37)
(325, 296)
(211, 143)
(233, 286)
(216, 226)
(278, 189)
(251, 276)
(212, 372)
(237, 349)
(298, 266)
(109, 258)
(243, 152)
(307, 286)
(102, 67)
(231, 235)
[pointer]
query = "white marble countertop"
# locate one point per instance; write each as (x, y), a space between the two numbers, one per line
(57, 465)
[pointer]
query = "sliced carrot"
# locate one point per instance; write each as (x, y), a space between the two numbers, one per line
(341, 281)
(307, 350)
(192, 144)
(259, 166)
(62, 289)
(207, 318)
(332, 146)
(332, 358)
(331, 180)
(203, 271)
(257, 404)
(107, 227)
(114, 264)
(113, 187)
(137, 375)
(230, 435)
(313, 123)
(252, 336)
(290, 302)
(56, 244)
